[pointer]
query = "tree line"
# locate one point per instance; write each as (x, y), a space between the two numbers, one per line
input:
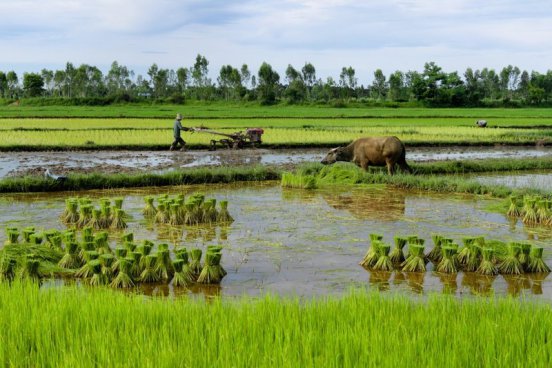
(86, 84)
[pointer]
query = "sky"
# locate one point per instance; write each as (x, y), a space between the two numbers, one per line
(367, 35)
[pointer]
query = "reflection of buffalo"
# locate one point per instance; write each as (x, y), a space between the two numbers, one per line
(374, 204)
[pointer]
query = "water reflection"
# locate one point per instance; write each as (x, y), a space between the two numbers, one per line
(388, 207)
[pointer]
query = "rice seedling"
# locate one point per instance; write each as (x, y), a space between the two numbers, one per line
(209, 210)
(71, 259)
(195, 262)
(397, 255)
(183, 275)
(210, 274)
(530, 214)
(120, 253)
(86, 271)
(85, 215)
(416, 259)
(71, 213)
(51, 233)
(13, 237)
(299, 180)
(487, 266)
(118, 221)
(118, 203)
(373, 253)
(98, 278)
(87, 234)
(162, 216)
(536, 263)
(542, 212)
(29, 270)
(95, 222)
(127, 237)
(105, 215)
(107, 260)
(164, 265)
(384, 262)
(136, 270)
(448, 263)
(524, 255)
(175, 217)
(435, 255)
(514, 209)
(467, 252)
(27, 232)
(123, 278)
(223, 215)
(192, 214)
(511, 265)
(149, 210)
(474, 259)
(149, 273)
(7, 269)
(130, 246)
(217, 249)
(36, 238)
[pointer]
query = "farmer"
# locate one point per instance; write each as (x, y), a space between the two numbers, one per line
(176, 132)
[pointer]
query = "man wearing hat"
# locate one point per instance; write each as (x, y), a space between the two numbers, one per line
(177, 127)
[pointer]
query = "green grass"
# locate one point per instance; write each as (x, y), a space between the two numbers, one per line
(81, 327)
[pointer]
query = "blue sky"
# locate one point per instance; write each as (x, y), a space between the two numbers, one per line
(391, 35)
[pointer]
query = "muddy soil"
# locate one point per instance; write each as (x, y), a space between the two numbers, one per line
(13, 164)
(267, 250)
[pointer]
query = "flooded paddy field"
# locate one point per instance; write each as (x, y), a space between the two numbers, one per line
(535, 180)
(35, 163)
(305, 243)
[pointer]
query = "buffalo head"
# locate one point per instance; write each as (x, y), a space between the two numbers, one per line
(335, 154)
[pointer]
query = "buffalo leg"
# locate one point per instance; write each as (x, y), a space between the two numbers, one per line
(390, 167)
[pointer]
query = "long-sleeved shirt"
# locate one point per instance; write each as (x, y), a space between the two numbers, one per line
(177, 128)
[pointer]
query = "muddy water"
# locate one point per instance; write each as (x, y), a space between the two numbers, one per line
(294, 242)
(35, 163)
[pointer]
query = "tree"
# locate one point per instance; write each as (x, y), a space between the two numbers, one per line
(509, 79)
(182, 78)
(200, 73)
(245, 75)
(309, 75)
(13, 84)
(292, 74)
(347, 81)
(3, 84)
(118, 79)
(33, 84)
(48, 78)
(268, 80)
(397, 86)
(379, 86)
(229, 81)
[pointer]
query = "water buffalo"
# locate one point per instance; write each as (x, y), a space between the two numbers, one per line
(372, 151)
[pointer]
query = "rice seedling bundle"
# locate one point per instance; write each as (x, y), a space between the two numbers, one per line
(467, 252)
(130, 246)
(27, 232)
(183, 274)
(36, 238)
(195, 261)
(87, 234)
(118, 221)
(164, 265)
(487, 266)
(209, 211)
(524, 254)
(217, 249)
(514, 209)
(101, 242)
(123, 278)
(448, 263)
(69, 236)
(435, 255)
(7, 269)
(29, 270)
(120, 254)
(71, 259)
(86, 247)
(85, 215)
(175, 217)
(149, 273)
(474, 259)
(107, 261)
(98, 278)
(145, 250)
(210, 274)
(223, 215)
(149, 210)
(96, 221)
(192, 214)
(372, 255)
(136, 270)
(416, 259)
(397, 255)
(384, 262)
(86, 270)
(118, 203)
(536, 263)
(127, 237)
(70, 215)
(162, 216)
(105, 216)
(511, 265)
(13, 236)
(530, 214)
(542, 212)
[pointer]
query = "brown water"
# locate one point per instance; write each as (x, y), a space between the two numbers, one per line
(296, 242)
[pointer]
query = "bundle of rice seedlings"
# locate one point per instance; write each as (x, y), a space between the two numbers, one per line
(436, 255)
(195, 262)
(127, 238)
(98, 278)
(145, 250)
(210, 273)
(542, 212)
(107, 260)
(514, 209)
(149, 210)
(149, 273)
(87, 234)
(448, 263)
(95, 222)
(85, 215)
(36, 238)
(524, 255)
(105, 216)
(86, 270)
(27, 232)
(105, 202)
(136, 269)
(118, 221)
(120, 253)
(175, 217)
(162, 216)
(372, 255)
(530, 214)
(71, 259)
(384, 262)
(217, 249)
(130, 246)
(13, 236)
(118, 203)
(101, 242)
(29, 269)
(123, 278)
(466, 253)
(209, 211)
(192, 214)
(536, 262)
(511, 265)
(86, 247)
(397, 255)
(223, 215)
(71, 214)
(8, 267)
(183, 275)
(474, 259)
(487, 266)
(416, 259)
(69, 236)
(164, 264)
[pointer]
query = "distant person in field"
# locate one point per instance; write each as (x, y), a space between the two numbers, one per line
(177, 128)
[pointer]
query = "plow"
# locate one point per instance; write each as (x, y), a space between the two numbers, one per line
(251, 137)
